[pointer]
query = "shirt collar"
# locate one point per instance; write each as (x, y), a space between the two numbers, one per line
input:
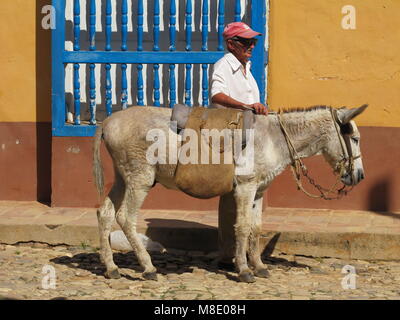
(235, 63)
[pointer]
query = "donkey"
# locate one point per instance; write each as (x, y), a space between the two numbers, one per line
(312, 131)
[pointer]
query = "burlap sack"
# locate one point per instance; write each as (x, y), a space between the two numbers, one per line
(213, 179)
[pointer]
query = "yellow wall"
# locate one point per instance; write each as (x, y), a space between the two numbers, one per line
(24, 95)
(313, 60)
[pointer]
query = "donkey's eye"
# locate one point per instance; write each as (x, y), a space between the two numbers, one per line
(355, 139)
(346, 129)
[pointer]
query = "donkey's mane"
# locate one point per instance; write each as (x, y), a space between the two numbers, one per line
(299, 118)
(305, 109)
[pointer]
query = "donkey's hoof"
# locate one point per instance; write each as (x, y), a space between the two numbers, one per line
(247, 277)
(261, 273)
(150, 276)
(113, 274)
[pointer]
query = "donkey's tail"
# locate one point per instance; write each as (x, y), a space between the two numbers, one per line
(97, 166)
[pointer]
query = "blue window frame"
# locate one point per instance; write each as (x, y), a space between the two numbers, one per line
(137, 55)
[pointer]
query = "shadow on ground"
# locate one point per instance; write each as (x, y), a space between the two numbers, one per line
(173, 261)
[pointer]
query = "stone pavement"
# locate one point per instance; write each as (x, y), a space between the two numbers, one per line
(307, 253)
(36, 271)
(318, 233)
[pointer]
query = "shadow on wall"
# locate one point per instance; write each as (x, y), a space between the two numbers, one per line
(380, 198)
(43, 106)
(175, 234)
(193, 236)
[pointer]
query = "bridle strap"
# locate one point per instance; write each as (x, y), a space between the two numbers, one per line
(347, 146)
(341, 140)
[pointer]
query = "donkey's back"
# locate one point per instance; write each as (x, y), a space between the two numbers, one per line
(134, 123)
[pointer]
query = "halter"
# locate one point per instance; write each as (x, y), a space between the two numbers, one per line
(346, 147)
(298, 167)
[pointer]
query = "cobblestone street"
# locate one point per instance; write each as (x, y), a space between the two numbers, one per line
(184, 275)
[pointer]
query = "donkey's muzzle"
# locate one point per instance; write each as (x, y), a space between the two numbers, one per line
(350, 180)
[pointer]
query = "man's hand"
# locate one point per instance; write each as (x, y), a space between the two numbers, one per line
(227, 101)
(259, 108)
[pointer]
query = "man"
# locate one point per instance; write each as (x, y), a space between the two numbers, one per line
(232, 84)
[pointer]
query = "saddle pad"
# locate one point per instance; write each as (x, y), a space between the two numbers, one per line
(205, 179)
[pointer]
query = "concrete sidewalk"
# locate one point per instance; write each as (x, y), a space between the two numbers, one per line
(319, 233)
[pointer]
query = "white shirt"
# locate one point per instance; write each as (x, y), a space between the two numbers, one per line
(229, 78)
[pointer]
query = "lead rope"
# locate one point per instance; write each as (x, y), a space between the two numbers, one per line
(298, 168)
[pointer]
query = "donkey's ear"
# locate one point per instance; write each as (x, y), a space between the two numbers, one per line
(345, 115)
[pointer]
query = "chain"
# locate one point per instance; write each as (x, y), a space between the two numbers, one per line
(324, 193)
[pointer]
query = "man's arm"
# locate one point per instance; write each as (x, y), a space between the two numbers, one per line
(227, 101)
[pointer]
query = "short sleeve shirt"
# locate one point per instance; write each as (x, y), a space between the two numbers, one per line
(229, 78)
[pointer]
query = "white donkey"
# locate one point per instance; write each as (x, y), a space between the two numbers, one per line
(312, 131)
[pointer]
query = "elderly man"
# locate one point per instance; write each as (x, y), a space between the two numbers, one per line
(233, 86)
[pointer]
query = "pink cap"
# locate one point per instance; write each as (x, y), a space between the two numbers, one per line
(239, 29)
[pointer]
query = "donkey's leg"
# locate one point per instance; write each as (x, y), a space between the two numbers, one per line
(244, 197)
(226, 231)
(260, 270)
(138, 184)
(106, 217)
